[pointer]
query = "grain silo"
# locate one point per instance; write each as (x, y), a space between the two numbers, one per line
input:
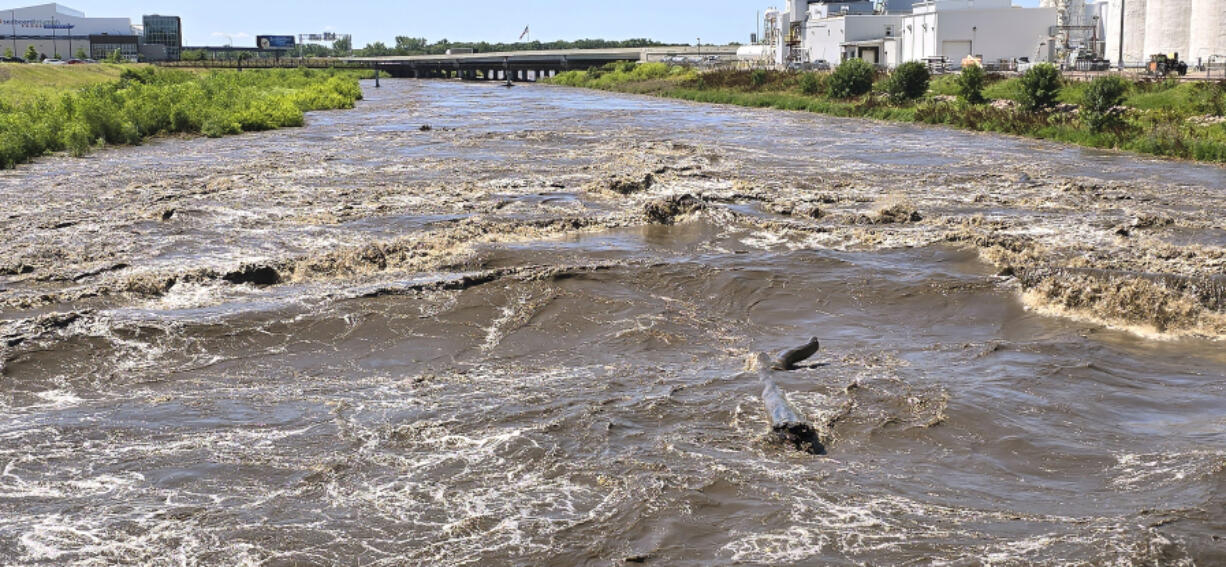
(1208, 33)
(1133, 31)
(1168, 25)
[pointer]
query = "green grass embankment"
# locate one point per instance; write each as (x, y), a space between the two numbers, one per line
(1164, 118)
(25, 82)
(53, 112)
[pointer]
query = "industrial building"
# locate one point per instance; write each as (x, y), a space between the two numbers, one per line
(55, 31)
(891, 32)
(1195, 29)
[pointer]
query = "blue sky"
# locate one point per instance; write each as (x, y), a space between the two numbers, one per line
(682, 21)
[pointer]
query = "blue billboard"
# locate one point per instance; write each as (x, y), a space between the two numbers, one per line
(274, 41)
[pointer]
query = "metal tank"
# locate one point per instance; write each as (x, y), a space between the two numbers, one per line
(1134, 31)
(1208, 32)
(1168, 25)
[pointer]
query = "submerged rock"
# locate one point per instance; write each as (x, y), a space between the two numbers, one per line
(630, 185)
(667, 209)
(254, 274)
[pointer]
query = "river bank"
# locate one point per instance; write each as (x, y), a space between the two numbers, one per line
(1162, 118)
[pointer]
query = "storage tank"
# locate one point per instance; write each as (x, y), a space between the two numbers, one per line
(1134, 31)
(1168, 26)
(1208, 35)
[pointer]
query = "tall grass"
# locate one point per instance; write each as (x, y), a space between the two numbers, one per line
(147, 102)
(1160, 118)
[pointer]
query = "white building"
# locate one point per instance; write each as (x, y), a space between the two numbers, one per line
(990, 29)
(54, 29)
(891, 32)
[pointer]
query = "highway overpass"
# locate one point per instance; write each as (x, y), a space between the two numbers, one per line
(528, 65)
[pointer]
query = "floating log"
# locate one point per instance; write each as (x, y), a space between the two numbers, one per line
(787, 425)
(788, 359)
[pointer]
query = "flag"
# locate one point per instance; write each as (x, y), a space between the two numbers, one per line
(525, 34)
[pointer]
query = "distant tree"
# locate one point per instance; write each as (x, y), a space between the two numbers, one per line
(80, 54)
(852, 78)
(342, 46)
(376, 49)
(410, 45)
(8, 52)
(31, 53)
(57, 56)
(1100, 105)
(970, 84)
(1040, 86)
(116, 56)
(909, 81)
(193, 55)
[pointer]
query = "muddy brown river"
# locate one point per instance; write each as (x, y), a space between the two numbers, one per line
(470, 325)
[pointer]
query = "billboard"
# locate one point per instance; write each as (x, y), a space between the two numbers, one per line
(274, 41)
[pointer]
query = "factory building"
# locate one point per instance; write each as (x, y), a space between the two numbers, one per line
(891, 32)
(56, 30)
(1195, 29)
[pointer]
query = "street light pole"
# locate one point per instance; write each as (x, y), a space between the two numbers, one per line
(1121, 36)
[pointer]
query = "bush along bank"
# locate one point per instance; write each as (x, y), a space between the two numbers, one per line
(1164, 118)
(148, 102)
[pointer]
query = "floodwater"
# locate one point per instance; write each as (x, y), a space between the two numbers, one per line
(518, 337)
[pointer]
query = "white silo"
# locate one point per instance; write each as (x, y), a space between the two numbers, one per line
(1168, 26)
(1208, 35)
(1133, 31)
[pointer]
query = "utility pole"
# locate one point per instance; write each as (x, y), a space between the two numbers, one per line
(1121, 36)
(13, 20)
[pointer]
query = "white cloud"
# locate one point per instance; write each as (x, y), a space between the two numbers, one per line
(237, 35)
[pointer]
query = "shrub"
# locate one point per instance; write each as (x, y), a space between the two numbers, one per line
(31, 54)
(853, 78)
(811, 84)
(1100, 101)
(1040, 86)
(77, 139)
(909, 81)
(970, 84)
(757, 77)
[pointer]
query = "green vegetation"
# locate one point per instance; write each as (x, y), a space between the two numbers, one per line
(909, 81)
(80, 54)
(1102, 98)
(24, 83)
(812, 84)
(1040, 87)
(146, 102)
(1167, 118)
(851, 79)
(970, 84)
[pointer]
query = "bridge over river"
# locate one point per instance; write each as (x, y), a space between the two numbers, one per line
(529, 65)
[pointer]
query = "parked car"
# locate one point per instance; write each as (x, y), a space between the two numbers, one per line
(53, 62)
(74, 62)
(821, 65)
(12, 60)
(1024, 64)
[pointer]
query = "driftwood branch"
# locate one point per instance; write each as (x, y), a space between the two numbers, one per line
(787, 424)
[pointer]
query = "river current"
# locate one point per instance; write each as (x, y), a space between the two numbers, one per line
(469, 325)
